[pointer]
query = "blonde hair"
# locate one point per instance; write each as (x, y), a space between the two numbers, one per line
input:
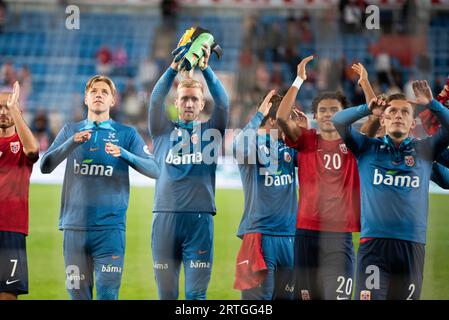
(100, 78)
(190, 83)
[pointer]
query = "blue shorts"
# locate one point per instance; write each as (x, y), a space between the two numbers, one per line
(324, 265)
(280, 281)
(185, 238)
(13, 263)
(390, 269)
(89, 254)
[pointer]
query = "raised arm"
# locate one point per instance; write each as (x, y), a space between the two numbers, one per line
(370, 126)
(364, 81)
(157, 116)
(288, 126)
(248, 151)
(30, 146)
(424, 97)
(62, 147)
(344, 119)
(219, 118)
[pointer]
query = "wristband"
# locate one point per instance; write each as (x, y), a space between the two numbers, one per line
(298, 82)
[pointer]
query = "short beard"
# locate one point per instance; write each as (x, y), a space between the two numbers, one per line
(328, 130)
(397, 134)
(6, 126)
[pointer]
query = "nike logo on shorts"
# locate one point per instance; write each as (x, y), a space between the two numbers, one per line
(11, 282)
(244, 261)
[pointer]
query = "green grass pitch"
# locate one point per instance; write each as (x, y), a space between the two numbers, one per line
(46, 264)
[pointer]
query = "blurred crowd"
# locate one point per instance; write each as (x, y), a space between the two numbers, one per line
(270, 54)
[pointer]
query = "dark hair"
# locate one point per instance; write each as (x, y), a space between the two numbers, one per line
(396, 96)
(334, 95)
(401, 97)
(275, 102)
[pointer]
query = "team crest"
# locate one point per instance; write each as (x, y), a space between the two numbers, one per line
(365, 295)
(194, 138)
(305, 295)
(287, 157)
(343, 148)
(409, 161)
(15, 146)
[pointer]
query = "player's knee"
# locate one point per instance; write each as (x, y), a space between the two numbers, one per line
(168, 293)
(80, 294)
(106, 292)
(196, 295)
(108, 285)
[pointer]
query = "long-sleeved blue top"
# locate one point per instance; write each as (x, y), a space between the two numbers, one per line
(394, 179)
(187, 152)
(95, 191)
(267, 170)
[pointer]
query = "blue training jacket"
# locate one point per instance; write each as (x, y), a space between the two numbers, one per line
(186, 152)
(267, 170)
(394, 180)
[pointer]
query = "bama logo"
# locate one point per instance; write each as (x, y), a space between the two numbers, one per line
(189, 158)
(110, 268)
(278, 180)
(87, 169)
(391, 179)
(160, 266)
(199, 265)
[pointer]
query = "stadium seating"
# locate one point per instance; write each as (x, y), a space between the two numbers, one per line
(61, 60)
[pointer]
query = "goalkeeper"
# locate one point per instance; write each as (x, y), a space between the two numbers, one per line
(182, 230)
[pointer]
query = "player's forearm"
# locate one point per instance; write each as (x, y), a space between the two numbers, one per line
(440, 175)
(146, 166)
(53, 157)
(286, 105)
(255, 122)
(342, 121)
(249, 132)
(156, 113)
(367, 90)
(283, 114)
(30, 145)
(370, 126)
(221, 100)
(346, 117)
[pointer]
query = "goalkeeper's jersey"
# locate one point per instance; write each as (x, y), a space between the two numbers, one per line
(186, 152)
(95, 191)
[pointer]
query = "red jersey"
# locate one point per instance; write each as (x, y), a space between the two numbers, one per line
(15, 172)
(328, 183)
